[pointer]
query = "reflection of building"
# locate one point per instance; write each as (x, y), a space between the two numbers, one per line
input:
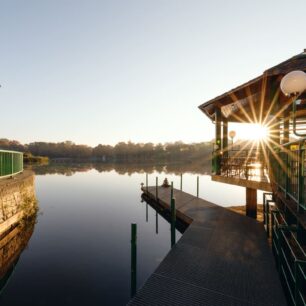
(279, 163)
(18, 208)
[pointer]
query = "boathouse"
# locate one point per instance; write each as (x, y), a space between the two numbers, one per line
(277, 100)
(224, 258)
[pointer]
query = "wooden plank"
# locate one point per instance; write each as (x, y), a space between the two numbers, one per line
(4, 226)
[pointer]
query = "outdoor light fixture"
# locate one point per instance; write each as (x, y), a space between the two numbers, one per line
(232, 135)
(293, 84)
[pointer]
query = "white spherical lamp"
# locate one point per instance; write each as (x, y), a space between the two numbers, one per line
(293, 83)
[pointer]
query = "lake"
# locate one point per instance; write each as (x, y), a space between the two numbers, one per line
(79, 251)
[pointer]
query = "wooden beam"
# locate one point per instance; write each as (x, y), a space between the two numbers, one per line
(242, 182)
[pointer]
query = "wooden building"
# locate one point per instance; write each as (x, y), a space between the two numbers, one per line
(275, 165)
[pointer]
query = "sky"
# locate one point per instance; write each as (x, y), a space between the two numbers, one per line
(94, 71)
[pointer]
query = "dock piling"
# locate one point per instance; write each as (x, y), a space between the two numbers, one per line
(133, 258)
(173, 221)
(156, 189)
(181, 181)
(171, 192)
(156, 222)
(147, 181)
(198, 182)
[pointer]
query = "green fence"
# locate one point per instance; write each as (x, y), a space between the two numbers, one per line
(288, 169)
(291, 259)
(11, 163)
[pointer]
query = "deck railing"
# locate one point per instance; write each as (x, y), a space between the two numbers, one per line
(241, 163)
(288, 169)
(11, 163)
(290, 254)
(290, 257)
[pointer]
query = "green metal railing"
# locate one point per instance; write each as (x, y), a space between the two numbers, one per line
(288, 170)
(11, 163)
(290, 257)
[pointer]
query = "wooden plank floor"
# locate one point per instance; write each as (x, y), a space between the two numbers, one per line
(223, 258)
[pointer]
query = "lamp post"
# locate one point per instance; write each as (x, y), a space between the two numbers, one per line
(232, 135)
(293, 84)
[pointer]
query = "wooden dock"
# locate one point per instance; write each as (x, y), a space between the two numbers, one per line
(223, 258)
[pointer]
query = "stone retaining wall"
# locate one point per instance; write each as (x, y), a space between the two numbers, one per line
(17, 196)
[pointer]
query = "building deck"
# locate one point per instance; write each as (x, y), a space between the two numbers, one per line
(223, 258)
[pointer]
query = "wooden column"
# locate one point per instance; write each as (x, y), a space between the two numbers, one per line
(251, 202)
(225, 138)
(286, 126)
(218, 119)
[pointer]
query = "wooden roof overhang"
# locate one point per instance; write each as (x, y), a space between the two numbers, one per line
(258, 98)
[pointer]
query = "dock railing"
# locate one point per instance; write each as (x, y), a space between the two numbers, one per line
(248, 164)
(290, 257)
(288, 169)
(11, 163)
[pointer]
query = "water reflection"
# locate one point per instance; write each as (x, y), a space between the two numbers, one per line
(15, 239)
(165, 214)
(80, 251)
(198, 167)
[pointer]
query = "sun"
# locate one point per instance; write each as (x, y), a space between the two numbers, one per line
(252, 131)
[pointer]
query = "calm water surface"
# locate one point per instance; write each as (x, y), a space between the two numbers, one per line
(79, 252)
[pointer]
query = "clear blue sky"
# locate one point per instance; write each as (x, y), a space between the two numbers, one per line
(95, 71)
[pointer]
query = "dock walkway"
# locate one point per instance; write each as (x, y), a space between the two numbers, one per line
(223, 258)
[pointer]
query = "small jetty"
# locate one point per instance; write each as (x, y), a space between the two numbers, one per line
(223, 258)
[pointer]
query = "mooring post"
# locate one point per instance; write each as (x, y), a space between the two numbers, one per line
(156, 223)
(147, 215)
(147, 179)
(171, 192)
(198, 181)
(181, 181)
(156, 189)
(173, 221)
(133, 258)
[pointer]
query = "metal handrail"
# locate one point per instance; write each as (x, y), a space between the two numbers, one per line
(290, 265)
(11, 163)
(290, 176)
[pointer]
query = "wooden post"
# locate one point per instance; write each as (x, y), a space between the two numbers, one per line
(156, 189)
(225, 138)
(181, 181)
(147, 182)
(173, 221)
(198, 183)
(156, 222)
(133, 258)
(286, 126)
(217, 156)
(251, 202)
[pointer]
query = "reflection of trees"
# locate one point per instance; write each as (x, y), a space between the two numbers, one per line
(199, 166)
(15, 240)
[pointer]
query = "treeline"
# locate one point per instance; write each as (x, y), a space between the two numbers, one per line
(121, 152)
